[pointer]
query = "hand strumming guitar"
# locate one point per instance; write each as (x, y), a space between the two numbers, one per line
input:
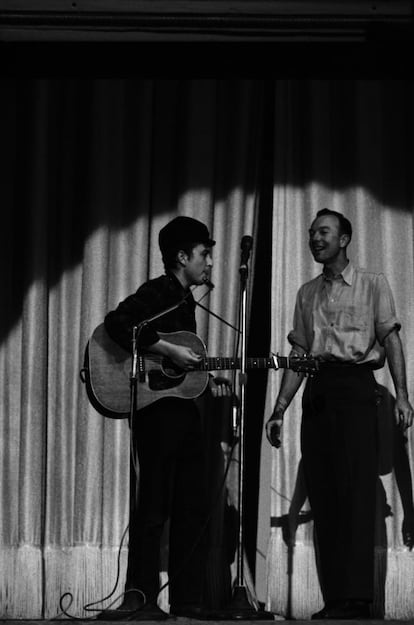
(181, 355)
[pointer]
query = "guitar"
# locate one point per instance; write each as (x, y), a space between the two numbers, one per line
(107, 372)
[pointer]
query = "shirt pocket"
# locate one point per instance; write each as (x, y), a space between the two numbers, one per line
(354, 319)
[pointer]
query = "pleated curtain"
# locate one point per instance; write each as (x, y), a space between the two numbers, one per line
(347, 146)
(91, 170)
(94, 169)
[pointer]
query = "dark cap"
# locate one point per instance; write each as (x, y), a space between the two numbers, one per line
(183, 231)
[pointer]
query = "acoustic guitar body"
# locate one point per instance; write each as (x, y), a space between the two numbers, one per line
(108, 374)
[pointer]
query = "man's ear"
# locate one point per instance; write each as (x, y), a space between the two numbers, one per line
(344, 240)
(182, 258)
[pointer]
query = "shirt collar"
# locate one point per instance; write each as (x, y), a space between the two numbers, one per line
(347, 274)
(171, 275)
(187, 294)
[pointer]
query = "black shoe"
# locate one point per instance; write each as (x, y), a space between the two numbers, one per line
(346, 610)
(319, 615)
(150, 612)
(322, 613)
(408, 533)
(191, 610)
(147, 612)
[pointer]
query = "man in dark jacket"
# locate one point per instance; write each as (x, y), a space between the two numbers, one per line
(167, 435)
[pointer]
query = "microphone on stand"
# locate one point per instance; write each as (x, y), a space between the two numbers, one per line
(209, 284)
(246, 246)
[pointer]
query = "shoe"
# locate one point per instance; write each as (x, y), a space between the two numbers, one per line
(150, 612)
(191, 610)
(408, 533)
(322, 613)
(319, 615)
(346, 610)
(147, 612)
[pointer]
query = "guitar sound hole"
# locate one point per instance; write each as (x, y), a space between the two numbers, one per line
(158, 381)
(171, 370)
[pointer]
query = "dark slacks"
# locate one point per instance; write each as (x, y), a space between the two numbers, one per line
(172, 486)
(339, 451)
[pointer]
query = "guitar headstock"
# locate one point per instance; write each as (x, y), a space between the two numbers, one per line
(304, 363)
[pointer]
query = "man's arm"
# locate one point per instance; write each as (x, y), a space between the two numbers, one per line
(183, 356)
(291, 382)
(137, 307)
(403, 410)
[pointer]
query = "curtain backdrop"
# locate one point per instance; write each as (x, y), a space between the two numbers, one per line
(348, 146)
(91, 170)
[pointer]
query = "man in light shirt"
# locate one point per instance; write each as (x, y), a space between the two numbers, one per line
(345, 318)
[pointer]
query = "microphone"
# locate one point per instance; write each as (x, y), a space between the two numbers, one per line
(246, 246)
(208, 283)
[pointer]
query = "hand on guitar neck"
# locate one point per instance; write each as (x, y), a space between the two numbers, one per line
(220, 386)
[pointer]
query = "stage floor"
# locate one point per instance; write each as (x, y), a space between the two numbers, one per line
(184, 621)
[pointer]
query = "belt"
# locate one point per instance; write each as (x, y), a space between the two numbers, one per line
(343, 364)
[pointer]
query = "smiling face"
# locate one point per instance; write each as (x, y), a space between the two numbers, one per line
(195, 267)
(326, 242)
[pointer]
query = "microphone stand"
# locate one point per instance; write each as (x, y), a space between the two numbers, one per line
(240, 607)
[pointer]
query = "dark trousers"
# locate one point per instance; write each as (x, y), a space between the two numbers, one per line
(339, 451)
(168, 440)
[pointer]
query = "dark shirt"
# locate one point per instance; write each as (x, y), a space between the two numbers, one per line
(150, 299)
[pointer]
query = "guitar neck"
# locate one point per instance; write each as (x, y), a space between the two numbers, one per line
(268, 362)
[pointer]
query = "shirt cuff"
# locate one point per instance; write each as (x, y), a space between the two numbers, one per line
(295, 339)
(148, 337)
(384, 329)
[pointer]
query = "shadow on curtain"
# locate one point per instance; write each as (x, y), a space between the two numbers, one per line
(93, 169)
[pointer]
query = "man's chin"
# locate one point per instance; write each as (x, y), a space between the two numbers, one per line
(318, 257)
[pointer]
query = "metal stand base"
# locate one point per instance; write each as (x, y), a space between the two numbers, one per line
(241, 609)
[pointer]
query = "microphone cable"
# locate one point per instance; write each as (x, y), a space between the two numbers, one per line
(88, 607)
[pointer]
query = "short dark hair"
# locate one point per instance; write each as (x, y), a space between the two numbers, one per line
(345, 226)
(182, 233)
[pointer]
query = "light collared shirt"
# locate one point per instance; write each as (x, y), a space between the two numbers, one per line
(346, 318)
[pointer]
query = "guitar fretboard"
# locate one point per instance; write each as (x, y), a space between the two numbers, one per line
(215, 364)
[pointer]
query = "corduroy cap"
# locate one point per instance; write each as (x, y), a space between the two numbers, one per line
(182, 231)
